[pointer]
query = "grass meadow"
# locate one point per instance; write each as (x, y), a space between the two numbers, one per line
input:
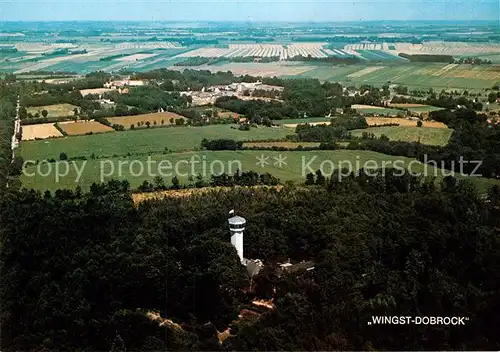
(216, 161)
(56, 110)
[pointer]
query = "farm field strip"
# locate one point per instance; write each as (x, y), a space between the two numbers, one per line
(416, 107)
(369, 109)
(302, 120)
(378, 55)
(41, 131)
(84, 127)
(424, 75)
(293, 125)
(95, 58)
(153, 118)
(361, 106)
(323, 73)
(136, 57)
(373, 121)
(255, 69)
(52, 61)
(225, 161)
(81, 67)
(445, 69)
(279, 144)
(365, 71)
(150, 45)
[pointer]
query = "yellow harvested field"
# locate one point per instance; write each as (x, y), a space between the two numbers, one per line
(127, 121)
(40, 131)
(83, 127)
(85, 92)
(365, 71)
(56, 110)
(293, 125)
(374, 121)
(360, 106)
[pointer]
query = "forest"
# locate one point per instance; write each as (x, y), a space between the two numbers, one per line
(81, 272)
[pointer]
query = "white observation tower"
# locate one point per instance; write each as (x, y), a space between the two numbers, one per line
(237, 226)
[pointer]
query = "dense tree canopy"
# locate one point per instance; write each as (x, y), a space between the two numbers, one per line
(76, 267)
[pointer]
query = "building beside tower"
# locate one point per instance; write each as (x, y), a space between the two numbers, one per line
(237, 226)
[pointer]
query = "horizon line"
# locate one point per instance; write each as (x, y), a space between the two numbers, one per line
(252, 21)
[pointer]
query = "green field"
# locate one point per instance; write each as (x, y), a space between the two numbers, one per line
(414, 75)
(330, 73)
(56, 110)
(426, 135)
(78, 66)
(143, 141)
(420, 109)
(382, 111)
(379, 55)
(219, 161)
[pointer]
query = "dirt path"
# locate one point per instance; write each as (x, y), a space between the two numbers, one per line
(17, 129)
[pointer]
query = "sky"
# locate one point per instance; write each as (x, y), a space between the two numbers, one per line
(247, 10)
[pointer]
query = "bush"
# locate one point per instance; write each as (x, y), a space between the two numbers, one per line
(118, 127)
(221, 144)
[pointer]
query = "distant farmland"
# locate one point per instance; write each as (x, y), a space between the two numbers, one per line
(257, 69)
(283, 52)
(415, 75)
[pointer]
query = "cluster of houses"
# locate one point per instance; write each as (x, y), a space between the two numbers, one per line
(124, 83)
(209, 95)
